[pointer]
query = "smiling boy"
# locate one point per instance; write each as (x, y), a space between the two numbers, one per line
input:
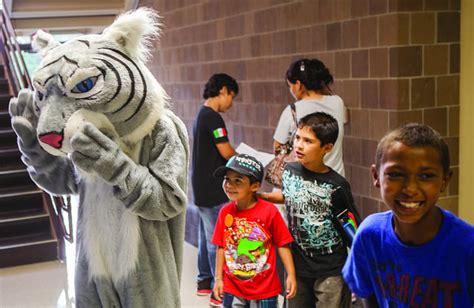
(247, 231)
(417, 254)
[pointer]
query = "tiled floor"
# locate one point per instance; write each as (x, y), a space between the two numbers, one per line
(50, 284)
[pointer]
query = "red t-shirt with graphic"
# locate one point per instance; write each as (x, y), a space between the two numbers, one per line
(249, 239)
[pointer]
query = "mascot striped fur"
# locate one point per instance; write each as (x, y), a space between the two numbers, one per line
(98, 125)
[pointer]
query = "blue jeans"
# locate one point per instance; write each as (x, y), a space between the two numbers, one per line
(207, 250)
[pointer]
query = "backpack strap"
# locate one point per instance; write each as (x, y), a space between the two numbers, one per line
(293, 113)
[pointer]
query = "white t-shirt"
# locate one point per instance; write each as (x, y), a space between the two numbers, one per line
(331, 104)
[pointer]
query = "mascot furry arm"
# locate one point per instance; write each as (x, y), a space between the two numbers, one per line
(98, 124)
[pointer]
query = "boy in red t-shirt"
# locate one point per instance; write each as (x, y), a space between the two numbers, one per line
(247, 231)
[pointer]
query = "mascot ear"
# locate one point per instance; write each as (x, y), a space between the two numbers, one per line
(43, 42)
(134, 31)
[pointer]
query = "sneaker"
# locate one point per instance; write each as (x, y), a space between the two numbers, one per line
(214, 302)
(204, 287)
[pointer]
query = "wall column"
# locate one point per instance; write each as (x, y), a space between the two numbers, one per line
(466, 131)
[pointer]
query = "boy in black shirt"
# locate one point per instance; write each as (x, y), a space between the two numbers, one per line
(314, 194)
(211, 149)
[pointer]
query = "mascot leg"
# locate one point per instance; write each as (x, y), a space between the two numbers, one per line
(91, 293)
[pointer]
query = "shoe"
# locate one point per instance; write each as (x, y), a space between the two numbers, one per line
(214, 302)
(204, 287)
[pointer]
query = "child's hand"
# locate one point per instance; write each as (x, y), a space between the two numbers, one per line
(290, 286)
(218, 289)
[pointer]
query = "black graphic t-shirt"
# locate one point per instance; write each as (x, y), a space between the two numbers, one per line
(310, 199)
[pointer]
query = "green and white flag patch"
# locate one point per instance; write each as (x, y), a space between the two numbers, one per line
(219, 133)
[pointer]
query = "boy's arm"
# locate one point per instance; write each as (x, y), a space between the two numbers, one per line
(287, 260)
(349, 201)
(225, 150)
(274, 196)
(218, 282)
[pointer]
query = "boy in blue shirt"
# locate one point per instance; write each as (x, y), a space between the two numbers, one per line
(417, 254)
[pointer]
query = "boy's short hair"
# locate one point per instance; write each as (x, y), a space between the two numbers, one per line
(244, 164)
(215, 84)
(323, 125)
(415, 135)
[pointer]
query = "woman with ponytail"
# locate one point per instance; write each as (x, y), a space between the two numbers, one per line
(309, 81)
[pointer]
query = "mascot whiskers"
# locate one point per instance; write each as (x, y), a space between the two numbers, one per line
(98, 125)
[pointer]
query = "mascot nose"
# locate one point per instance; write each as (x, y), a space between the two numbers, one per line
(53, 139)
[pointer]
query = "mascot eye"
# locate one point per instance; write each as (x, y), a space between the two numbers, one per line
(85, 86)
(40, 95)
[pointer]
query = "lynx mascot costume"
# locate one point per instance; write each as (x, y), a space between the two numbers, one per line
(98, 125)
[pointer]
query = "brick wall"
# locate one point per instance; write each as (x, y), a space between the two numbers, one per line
(394, 61)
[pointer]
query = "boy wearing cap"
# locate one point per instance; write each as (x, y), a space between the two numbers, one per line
(247, 231)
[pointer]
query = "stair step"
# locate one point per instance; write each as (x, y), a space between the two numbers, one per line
(4, 100)
(5, 119)
(24, 227)
(25, 240)
(28, 249)
(25, 215)
(13, 178)
(29, 203)
(8, 138)
(4, 85)
(18, 190)
(10, 159)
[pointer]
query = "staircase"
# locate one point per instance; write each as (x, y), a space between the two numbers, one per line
(26, 230)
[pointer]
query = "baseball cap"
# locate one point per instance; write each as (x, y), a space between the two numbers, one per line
(243, 164)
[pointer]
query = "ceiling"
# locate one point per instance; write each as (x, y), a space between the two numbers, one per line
(64, 16)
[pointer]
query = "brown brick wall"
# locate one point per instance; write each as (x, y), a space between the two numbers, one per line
(394, 61)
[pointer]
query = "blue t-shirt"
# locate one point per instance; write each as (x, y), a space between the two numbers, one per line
(439, 273)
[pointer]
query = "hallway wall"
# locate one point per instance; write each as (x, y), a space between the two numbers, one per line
(394, 61)
(466, 211)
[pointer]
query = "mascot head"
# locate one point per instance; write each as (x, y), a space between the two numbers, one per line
(101, 79)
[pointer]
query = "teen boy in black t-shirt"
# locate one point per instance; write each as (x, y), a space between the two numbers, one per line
(211, 149)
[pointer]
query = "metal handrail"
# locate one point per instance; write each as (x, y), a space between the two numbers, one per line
(12, 57)
(18, 76)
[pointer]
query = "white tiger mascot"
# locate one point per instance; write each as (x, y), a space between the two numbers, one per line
(98, 125)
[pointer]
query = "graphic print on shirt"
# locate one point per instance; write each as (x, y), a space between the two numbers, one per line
(402, 288)
(308, 204)
(246, 250)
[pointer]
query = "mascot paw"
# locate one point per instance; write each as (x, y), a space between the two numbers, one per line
(94, 152)
(24, 118)
(80, 119)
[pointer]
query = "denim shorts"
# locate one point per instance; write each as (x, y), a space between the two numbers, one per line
(231, 301)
